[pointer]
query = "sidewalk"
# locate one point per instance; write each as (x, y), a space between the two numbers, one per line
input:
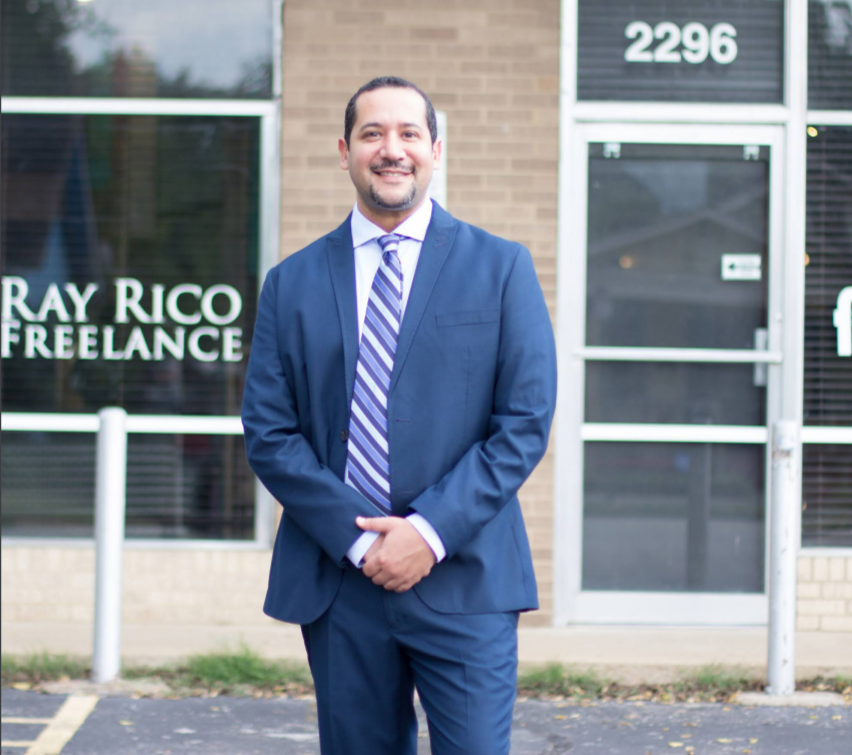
(626, 654)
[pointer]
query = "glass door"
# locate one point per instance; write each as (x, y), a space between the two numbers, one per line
(680, 363)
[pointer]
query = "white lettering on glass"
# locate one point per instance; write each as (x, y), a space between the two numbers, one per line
(843, 322)
(128, 294)
(719, 43)
(157, 335)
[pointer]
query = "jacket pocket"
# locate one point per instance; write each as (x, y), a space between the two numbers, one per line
(469, 317)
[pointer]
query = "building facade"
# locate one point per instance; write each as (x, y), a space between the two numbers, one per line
(682, 179)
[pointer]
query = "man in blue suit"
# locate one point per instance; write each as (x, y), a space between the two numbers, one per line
(400, 389)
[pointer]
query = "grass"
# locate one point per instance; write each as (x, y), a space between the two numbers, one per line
(243, 672)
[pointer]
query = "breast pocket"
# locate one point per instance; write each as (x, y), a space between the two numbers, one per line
(468, 317)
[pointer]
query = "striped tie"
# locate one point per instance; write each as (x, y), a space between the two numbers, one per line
(367, 461)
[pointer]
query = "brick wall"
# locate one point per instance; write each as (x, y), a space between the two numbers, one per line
(493, 67)
(57, 584)
(825, 593)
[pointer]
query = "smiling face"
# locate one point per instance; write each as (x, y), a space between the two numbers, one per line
(390, 156)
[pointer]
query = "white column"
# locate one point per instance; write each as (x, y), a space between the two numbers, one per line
(781, 667)
(110, 491)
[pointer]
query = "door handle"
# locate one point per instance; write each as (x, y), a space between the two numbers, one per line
(761, 369)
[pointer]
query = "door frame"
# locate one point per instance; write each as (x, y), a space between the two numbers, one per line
(571, 603)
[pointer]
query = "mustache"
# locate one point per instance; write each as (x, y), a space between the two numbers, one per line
(391, 166)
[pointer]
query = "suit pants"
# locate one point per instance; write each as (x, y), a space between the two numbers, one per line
(372, 647)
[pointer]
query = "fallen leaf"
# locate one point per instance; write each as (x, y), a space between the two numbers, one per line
(675, 744)
(689, 749)
(665, 728)
(753, 741)
(725, 741)
(686, 736)
(126, 723)
(813, 718)
(837, 718)
(746, 752)
(561, 717)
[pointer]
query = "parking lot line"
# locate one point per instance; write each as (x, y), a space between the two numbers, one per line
(68, 719)
(5, 743)
(18, 720)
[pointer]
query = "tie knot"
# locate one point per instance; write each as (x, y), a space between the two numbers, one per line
(390, 243)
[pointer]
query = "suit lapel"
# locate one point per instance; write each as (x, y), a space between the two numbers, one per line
(341, 263)
(433, 254)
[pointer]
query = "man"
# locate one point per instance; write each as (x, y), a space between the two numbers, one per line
(400, 389)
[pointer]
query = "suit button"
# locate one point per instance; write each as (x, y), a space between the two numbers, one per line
(344, 436)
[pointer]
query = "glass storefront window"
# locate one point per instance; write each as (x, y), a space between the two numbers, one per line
(130, 278)
(830, 54)
(661, 217)
(126, 48)
(671, 51)
(827, 469)
(673, 517)
(178, 486)
(130, 265)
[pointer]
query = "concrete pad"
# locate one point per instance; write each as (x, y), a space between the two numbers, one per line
(796, 700)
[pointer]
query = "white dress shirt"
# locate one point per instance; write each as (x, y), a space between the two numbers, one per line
(368, 257)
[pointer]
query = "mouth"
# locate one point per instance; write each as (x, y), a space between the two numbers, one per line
(391, 172)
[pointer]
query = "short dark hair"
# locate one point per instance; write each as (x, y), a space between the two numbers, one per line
(384, 82)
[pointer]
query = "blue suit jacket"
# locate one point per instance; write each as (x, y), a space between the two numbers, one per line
(469, 410)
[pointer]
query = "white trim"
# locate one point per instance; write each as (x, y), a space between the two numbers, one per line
(673, 112)
(136, 423)
(183, 425)
(50, 423)
(829, 117)
(814, 551)
(570, 333)
(839, 435)
(681, 133)
(606, 431)
(135, 544)
(671, 608)
(134, 106)
(642, 354)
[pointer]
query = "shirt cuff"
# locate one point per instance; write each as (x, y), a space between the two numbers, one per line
(360, 547)
(427, 532)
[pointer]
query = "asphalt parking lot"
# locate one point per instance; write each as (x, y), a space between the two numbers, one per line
(42, 724)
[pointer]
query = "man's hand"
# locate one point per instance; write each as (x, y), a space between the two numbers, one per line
(402, 557)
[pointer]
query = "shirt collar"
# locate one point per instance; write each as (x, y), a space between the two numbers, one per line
(413, 227)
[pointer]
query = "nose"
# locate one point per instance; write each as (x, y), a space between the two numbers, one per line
(392, 148)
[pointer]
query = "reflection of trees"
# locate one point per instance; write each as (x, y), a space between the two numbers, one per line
(830, 54)
(37, 59)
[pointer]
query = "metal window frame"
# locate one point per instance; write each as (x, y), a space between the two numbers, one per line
(269, 114)
(792, 117)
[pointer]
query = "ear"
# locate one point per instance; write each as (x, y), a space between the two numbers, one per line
(436, 153)
(344, 154)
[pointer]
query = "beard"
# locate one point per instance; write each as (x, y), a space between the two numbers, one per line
(402, 204)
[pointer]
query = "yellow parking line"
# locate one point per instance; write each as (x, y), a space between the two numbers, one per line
(17, 720)
(68, 719)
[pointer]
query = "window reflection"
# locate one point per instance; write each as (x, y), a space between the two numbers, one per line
(126, 48)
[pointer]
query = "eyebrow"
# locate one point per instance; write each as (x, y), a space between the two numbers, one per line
(380, 125)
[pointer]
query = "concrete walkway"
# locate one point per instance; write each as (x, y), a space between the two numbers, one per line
(627, 654)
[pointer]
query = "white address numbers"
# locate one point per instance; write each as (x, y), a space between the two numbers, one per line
(719, 43)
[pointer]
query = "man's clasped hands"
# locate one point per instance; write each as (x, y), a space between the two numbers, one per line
(400, 557)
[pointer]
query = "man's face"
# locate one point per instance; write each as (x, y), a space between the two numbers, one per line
(390, 157)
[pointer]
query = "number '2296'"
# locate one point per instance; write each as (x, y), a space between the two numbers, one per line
(698, 42)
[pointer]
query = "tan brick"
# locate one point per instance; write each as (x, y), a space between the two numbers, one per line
(811, 590)
(820, 569)
(805, 569)
(821, 607)
(836, 623)
(807, 623)
(837, 590)
(837, 569)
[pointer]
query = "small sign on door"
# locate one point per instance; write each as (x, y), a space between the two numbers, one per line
(741, 267)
